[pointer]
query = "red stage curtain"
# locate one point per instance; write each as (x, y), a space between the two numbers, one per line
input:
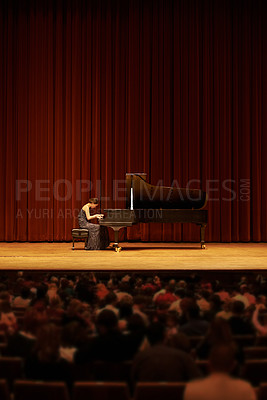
(91, 90)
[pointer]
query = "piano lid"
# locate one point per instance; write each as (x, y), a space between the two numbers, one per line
(146, 196)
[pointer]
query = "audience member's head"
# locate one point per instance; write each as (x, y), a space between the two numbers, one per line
(172, 319)
(125, 308)
(25, 292)
(171, 285)
(205, 294)
(215, 302)
(156, 333)
(56, 302)
(180, 293)
(222, 358)
(238, 308)
(54, 280)
(111, 298)
(47, 343)
(5, 296)
(219, 332)
(136, 323)
(5, 306)
(106, 322)
(182, 284)
(33, 320)
(261, 299)
(179, 341)
(140, 301)
(73, 334)
(186, 303)
(193, 312)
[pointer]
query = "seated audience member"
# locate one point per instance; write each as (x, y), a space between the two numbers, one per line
(179, 341)
(157, 281)
(215, 307)
(226, 311)
(243, 281)
(66, 289)
(260, 329)
(261, 301)
(219, 385)
(219, 333)
(21, 342)
(122, 292)
(238, 324)
(55, 310)
(8, 320)
(238, 296)
(171, 323)
(111, 301)
(79, 311)
(40, 301)
(170, 287)
(246, 291)
(195, 326)
(22, 301)
(137, 334)
(168, 296)
(162, 363)
(161, 313)
(125, 312)
(203, 301)
(85, 289)
(52, 291)
(101, 291)
(222, 293)
(44, 362)
(139, 304)
(175, 306)
(150, 287)
(112, 283)
(73, 337)
(108, 345)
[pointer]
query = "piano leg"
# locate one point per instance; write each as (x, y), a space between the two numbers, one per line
(116, 238)
(202, 236)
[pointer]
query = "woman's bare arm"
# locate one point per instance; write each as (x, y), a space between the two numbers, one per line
(260, 328)
(87, 212)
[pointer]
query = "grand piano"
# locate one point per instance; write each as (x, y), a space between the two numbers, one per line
(146, 203)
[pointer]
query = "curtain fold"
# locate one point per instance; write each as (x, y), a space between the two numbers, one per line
(92, 89)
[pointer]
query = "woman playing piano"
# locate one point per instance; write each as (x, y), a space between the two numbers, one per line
(98, 238)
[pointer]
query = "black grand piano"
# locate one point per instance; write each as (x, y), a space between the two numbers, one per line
(147, 203)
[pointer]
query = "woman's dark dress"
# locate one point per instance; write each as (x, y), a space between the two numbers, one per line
(98, 238)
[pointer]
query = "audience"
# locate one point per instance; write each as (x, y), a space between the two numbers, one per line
(109, 344)
(162, 363)
(8, 320)
(45, 362)
(111, 301)
(219, 333)
(175, 305)
(139, 304)
(238, 324)
(22, 301)
(260, 329)
(20, 344)
(219, 385)
(195, 326)
(81, 319)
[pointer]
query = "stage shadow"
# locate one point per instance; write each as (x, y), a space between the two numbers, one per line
(158, 248)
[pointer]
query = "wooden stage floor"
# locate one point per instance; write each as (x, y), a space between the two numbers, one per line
(134, 256)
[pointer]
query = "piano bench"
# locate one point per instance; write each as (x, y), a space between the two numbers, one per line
(79, 234)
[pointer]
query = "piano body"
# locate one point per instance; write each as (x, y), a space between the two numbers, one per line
(146, 203)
